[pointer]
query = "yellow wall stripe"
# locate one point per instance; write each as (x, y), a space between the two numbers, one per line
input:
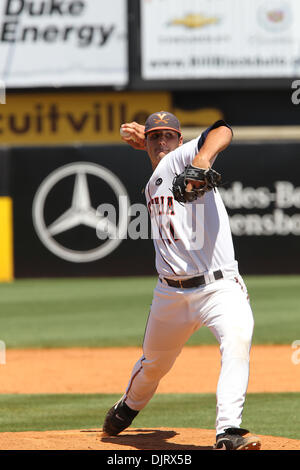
(6, 239)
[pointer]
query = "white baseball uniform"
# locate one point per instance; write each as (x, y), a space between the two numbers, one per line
(191, 240)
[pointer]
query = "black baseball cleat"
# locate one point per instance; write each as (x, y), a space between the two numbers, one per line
(237, 439)
(118, 418)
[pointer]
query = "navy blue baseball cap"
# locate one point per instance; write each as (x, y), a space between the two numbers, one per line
(162, 120)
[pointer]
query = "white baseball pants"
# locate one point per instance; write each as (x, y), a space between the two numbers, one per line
(175, 315)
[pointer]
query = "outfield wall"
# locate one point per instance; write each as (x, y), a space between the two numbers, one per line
(57, 190)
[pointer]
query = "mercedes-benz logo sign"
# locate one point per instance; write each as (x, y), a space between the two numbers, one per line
(81, 211)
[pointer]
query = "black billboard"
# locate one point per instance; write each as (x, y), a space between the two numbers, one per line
(262, 195)
(56, 193)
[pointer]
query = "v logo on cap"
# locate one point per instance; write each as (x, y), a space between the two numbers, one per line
(161, 118)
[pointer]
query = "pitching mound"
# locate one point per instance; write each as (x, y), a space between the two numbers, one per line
(195, 371)
(133, 439)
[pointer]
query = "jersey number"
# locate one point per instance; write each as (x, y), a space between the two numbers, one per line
(169, 233)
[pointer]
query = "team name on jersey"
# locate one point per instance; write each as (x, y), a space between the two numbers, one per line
(161, 205)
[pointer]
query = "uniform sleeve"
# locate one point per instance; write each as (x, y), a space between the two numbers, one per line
(184, 155)
(214, 126)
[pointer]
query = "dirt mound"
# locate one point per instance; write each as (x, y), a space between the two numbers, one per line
(95, 370)
(133, 439)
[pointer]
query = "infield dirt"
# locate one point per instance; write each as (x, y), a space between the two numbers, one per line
(107, 371)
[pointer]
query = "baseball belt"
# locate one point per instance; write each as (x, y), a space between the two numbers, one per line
(192, 282)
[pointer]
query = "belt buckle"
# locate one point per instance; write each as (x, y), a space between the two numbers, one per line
(180, 283)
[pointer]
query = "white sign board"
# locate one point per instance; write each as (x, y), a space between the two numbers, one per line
(63, 43)
(190, 39)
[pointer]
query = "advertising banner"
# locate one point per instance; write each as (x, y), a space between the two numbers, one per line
(46, 43)
(61, 197)
(220, 39)
(81, 211)
(261, 193)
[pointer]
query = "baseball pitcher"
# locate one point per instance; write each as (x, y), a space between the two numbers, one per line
(198, 278)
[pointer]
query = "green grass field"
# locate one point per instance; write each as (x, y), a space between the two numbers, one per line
(52, 313)
(113, 312)
(271, 414)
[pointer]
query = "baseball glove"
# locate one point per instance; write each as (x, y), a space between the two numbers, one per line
(209, 180)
